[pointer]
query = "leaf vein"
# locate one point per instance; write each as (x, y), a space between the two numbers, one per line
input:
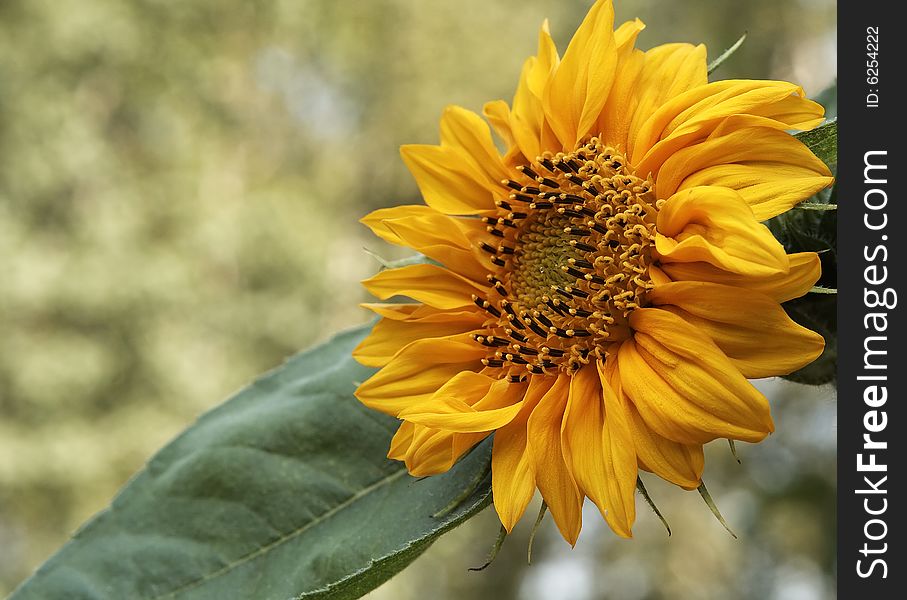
(285, 538)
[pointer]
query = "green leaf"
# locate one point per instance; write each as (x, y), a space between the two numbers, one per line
(282, 492)
(823, 141)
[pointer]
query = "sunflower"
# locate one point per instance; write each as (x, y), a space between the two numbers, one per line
(599, 295)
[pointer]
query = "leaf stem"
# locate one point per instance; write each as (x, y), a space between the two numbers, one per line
(816, 206)
(704, 492)
(733, 446)
(645, 494)
(498, 542)
(381, 260)
(726, 54)
(538, 521)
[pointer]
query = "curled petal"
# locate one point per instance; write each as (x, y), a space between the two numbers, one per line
(805, 270)
(668, 71)
(714, 225)
(530, 130)
(697, 111)
(469, 403)
(418, 371)
(750, 328)
(684, 387)
(770, 169)
(427, 451)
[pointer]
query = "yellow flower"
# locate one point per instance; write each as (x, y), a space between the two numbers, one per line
(602, 291)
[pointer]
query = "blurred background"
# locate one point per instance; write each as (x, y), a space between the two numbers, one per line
(180, 184)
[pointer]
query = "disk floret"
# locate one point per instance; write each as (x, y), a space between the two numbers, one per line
(570, 253)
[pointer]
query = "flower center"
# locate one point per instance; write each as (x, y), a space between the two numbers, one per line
(572, 259)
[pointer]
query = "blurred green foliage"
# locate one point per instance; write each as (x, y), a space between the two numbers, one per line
(179, 189)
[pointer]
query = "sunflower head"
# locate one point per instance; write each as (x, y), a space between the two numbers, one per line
(575, 244)
(601, 292)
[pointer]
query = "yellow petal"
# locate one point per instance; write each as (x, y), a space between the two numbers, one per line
(700, 131)
(668, 71)
(770, 188)
(805, 270)
(388, 336)
(527, 119)
(512, 474)
(527, 116)
(465, 131)
(452, 241)
(778, 101)
(695, 113)
(751, 144)
(581, 435)
(431, 284)
(614, 120)
(470, 402)
(418, 371)
(444, 179)
(755, 151)
(551, 474)
(579, 88)
(463, 174)
(680, 464)
(545, 63)
(657, 275)
(420, 313)
(625, 35)
(598, 449)
(455, 229)
(684, 387)
(501, 119)
(716, 226)
(796, 111)
(397, 311)
(432, 451)
(620, 458)
(401, 441)
(498, 114)
(458, 394)
(750, 328)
